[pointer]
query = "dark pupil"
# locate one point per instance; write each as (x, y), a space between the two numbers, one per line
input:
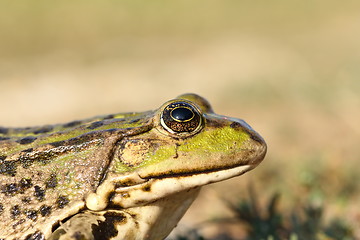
(182, 114)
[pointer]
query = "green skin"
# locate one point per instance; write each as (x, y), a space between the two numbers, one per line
(123, 176)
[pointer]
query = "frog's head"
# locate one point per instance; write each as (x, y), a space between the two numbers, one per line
(189, 146)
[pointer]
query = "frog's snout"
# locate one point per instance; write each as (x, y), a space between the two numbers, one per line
(260, 148)
(255, 146)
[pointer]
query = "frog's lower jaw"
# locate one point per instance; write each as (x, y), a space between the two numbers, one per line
(119, 193)
(157, 188)
(153, 221)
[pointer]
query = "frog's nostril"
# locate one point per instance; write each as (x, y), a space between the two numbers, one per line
(235, 125)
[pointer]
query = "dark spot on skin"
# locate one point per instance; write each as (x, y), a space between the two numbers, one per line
(71, 124)
(235, 125)
(106, 229)
(27, 140)
(15, 211)
(7, 167)
(135, 120)
(110, 116)
(95, 125)
(146, 188)
(134, 216)
(45, 210)
(27, 150)
(116, 206)
(81, 139)
(31, 214)
(44, 129)
(25, 184)
(62, 201)
(78, 140)
(111, 130)
(2, 157)
(78, 236)
(25, 161)
(177, 145)
(125, 183)
(21, 221)
(10, 189)
(39, 193)
(110, 195)
(35, 236)
(57, 144)
(4, 130)
(1, 208)
(52, 181)
(4, 138)
(26, 200)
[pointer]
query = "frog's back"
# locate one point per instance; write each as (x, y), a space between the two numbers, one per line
(46, 171)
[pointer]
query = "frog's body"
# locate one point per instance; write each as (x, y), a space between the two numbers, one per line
(123, 176)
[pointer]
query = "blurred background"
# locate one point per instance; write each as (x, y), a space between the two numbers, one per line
(289, 68)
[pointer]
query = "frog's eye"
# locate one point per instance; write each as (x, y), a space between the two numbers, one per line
(181, 117)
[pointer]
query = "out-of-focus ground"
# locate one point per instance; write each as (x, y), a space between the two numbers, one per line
(289, 68)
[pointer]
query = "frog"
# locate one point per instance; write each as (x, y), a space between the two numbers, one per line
(121, 176)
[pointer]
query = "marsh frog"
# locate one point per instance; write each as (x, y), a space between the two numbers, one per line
(120, 176)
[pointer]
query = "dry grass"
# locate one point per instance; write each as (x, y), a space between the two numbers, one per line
(289, 68)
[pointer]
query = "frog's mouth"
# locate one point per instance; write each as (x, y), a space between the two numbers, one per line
(139, 188)
(151, 189)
